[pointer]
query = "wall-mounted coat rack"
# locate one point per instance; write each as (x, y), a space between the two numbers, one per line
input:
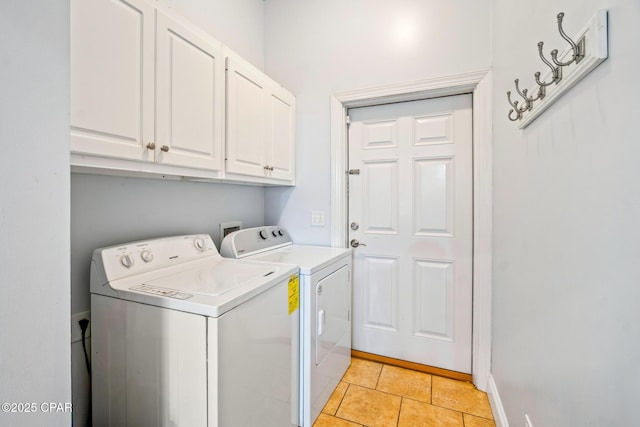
(585, 52)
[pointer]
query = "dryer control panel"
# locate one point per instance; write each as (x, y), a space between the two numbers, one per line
(251, 241)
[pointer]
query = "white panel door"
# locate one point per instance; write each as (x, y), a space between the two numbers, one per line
(112, 78)
(411, 205)
(190, 97)
(246, 136)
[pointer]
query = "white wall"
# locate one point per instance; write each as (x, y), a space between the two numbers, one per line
(111, 210)
(318, 48)
(238, 24)
(34, 209)
(566, 233)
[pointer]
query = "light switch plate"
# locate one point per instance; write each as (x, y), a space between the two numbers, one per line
(317, 218)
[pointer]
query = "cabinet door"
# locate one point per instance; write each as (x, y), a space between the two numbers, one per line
(189, 97)
(112, 78)
(281, 134)
(245, 119)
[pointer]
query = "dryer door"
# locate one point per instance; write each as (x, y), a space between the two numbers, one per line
(333, 303)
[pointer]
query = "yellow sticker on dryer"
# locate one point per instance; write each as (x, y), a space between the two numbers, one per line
(294, 293)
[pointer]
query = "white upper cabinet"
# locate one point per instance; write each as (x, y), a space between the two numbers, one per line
(144, 87)
(260, 125)
(148, 97)
(246, 119)
(281, 131)
(112, 78)
(190, 97)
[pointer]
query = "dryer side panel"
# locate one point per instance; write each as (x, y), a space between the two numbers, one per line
(258, 361)
(333, 305)
(330, 331)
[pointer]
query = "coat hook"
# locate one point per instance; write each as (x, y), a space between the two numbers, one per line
(529, 100)
(516, 118)
(517, 110)
(523, 94)
(578, 49)
(514, 104)
(556, 72)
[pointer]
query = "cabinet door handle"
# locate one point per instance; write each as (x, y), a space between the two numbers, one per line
(151, 146)
(164, 148)
(268, 168)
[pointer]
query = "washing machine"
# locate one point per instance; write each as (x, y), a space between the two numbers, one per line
(183, 337)
(325, 304)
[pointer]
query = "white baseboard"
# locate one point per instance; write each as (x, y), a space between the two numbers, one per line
(499, 416)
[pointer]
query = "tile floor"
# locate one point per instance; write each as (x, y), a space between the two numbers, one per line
(377, 395)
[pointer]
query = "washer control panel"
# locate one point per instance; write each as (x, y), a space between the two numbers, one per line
(169, 293)
(138, 257)
(249, 241)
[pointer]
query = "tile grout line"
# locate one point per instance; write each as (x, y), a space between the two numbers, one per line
(431, 390)
(399, 410)
(342, 398)
(378, 379)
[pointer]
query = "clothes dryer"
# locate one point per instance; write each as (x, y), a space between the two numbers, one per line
(325, 305)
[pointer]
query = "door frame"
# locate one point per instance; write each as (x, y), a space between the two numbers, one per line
(479, 84)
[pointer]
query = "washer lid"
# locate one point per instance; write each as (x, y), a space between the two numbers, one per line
(210, 287)
(214, 278)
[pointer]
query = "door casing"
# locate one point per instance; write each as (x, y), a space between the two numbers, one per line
(479, 84)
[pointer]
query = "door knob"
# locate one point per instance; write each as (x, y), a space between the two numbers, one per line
(164, 148)
(354, 243)
(151, 146)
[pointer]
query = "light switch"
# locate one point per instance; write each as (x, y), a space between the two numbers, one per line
(317, 218)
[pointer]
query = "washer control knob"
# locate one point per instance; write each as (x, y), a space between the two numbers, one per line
(126, 261)
(275, 233)
(263, 234)
(280, 233)
(146, 256)
(199, 244)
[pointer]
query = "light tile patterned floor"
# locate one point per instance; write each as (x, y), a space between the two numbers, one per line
(377, 395)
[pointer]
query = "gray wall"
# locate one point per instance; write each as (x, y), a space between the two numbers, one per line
(318, 48)
(34, 209)
(109, 210)
(566, 294)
